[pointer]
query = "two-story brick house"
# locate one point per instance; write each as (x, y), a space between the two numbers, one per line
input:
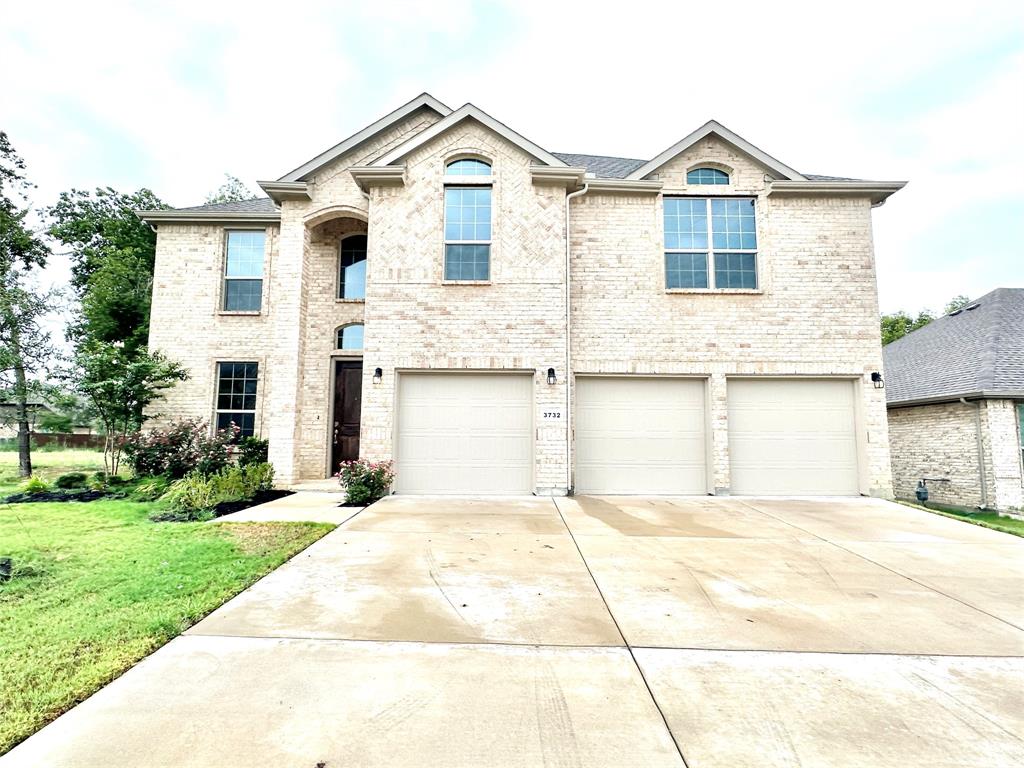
(497, 318)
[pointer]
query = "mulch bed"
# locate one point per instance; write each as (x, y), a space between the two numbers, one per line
(84, 494)
(227, 507)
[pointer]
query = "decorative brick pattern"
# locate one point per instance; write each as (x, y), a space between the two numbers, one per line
(814, 314)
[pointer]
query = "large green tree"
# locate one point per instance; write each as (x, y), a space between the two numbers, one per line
(25, 349)
(899, 324)
(232, 190)
(112, 254)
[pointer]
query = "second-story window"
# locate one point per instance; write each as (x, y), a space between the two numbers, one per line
(467, 222)
(352, 277)
(243, 271)
(707, 176)
(710, 243)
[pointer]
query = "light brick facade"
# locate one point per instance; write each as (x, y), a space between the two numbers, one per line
(814, 314)
(941, 441)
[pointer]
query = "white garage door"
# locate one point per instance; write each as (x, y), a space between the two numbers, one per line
(464, 433)
(792, 437)
(640, 435)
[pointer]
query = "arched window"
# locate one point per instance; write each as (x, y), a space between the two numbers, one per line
(707, 176)
(350, 337)
(352, 277)
(468, 167)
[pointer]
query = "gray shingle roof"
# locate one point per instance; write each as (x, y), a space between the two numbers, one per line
(256, 205)
(601, 166)
(975, 350)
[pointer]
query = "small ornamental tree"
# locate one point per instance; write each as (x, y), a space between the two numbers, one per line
(120, 386)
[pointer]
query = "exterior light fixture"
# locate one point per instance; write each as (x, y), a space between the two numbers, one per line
(876, 380)
(551, 376)
(378, 374)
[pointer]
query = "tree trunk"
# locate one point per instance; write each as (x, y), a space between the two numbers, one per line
(21, 403)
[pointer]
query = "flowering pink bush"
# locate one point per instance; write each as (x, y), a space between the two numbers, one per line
(185, 446)
(366, 481)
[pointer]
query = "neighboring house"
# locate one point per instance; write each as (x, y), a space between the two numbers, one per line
(439, 290)
(9, 417)
(955, 390)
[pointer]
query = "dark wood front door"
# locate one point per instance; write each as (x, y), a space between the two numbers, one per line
(348, 389)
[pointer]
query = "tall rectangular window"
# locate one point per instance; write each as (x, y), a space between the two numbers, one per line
(236, 396)
(710, 243)
(243, 271)
(467, 233)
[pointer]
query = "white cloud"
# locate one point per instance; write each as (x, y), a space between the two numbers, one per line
(171, 97)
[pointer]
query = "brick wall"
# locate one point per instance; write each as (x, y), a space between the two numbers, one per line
(941, 441)
(815, 313)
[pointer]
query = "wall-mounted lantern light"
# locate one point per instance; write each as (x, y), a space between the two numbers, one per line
(551, 376)
(378, 374)
(876, 380)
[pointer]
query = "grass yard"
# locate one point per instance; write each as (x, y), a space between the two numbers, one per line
(47, 465)
(98, 586)
(985, 519)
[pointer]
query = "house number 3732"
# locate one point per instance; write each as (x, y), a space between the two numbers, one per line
(550, 415)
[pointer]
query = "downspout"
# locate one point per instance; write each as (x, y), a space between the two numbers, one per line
(981, 451)
(568, 348)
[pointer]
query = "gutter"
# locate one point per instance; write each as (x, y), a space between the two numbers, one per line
(208, 217)
(569, 421)
(981, 394)
(981, 450)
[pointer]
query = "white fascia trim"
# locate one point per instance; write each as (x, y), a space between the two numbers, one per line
(878, 191)
(545, 174)
(285, 190)
(423, 100)
(208, 217)
(713, 126)
(371, 176)
(456, 117)
(626, 186)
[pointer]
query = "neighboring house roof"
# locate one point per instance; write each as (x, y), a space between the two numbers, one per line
(974, 352)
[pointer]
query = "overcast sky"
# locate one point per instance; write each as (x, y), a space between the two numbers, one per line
(171, 97)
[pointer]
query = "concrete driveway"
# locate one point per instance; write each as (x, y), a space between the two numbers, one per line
(592, 632)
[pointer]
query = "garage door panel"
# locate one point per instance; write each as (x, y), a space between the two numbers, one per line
(792, 437)
(465, 433)
(640, 435)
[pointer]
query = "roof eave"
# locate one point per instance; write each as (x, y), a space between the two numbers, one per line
(357, 138)
(464, 112)
(279, 191)
(568, 177)
(981, 394)
(878, 191)
(713, 126)
(367, 176)
(153, 218)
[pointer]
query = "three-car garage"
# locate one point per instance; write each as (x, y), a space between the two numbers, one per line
(474, 433)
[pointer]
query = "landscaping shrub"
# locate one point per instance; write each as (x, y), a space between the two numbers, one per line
(71, 480)
(151, 489)
(34, 486)
(181, 448)
(252, 450)
(366, 481)
(194, 496)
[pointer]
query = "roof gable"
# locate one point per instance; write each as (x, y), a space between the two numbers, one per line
(465, 112)
(977, 351)
(719, 130)
(424, 100)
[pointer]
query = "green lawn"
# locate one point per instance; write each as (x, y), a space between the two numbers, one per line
(47, 465)
(97, 586)
(985, 519)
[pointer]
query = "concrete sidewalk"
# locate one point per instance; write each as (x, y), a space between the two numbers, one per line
(591, 632)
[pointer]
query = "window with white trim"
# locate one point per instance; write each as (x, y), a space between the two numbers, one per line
(710, 243)
(243, 270)
(236, 396)
(467, 224)
(707, 176)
